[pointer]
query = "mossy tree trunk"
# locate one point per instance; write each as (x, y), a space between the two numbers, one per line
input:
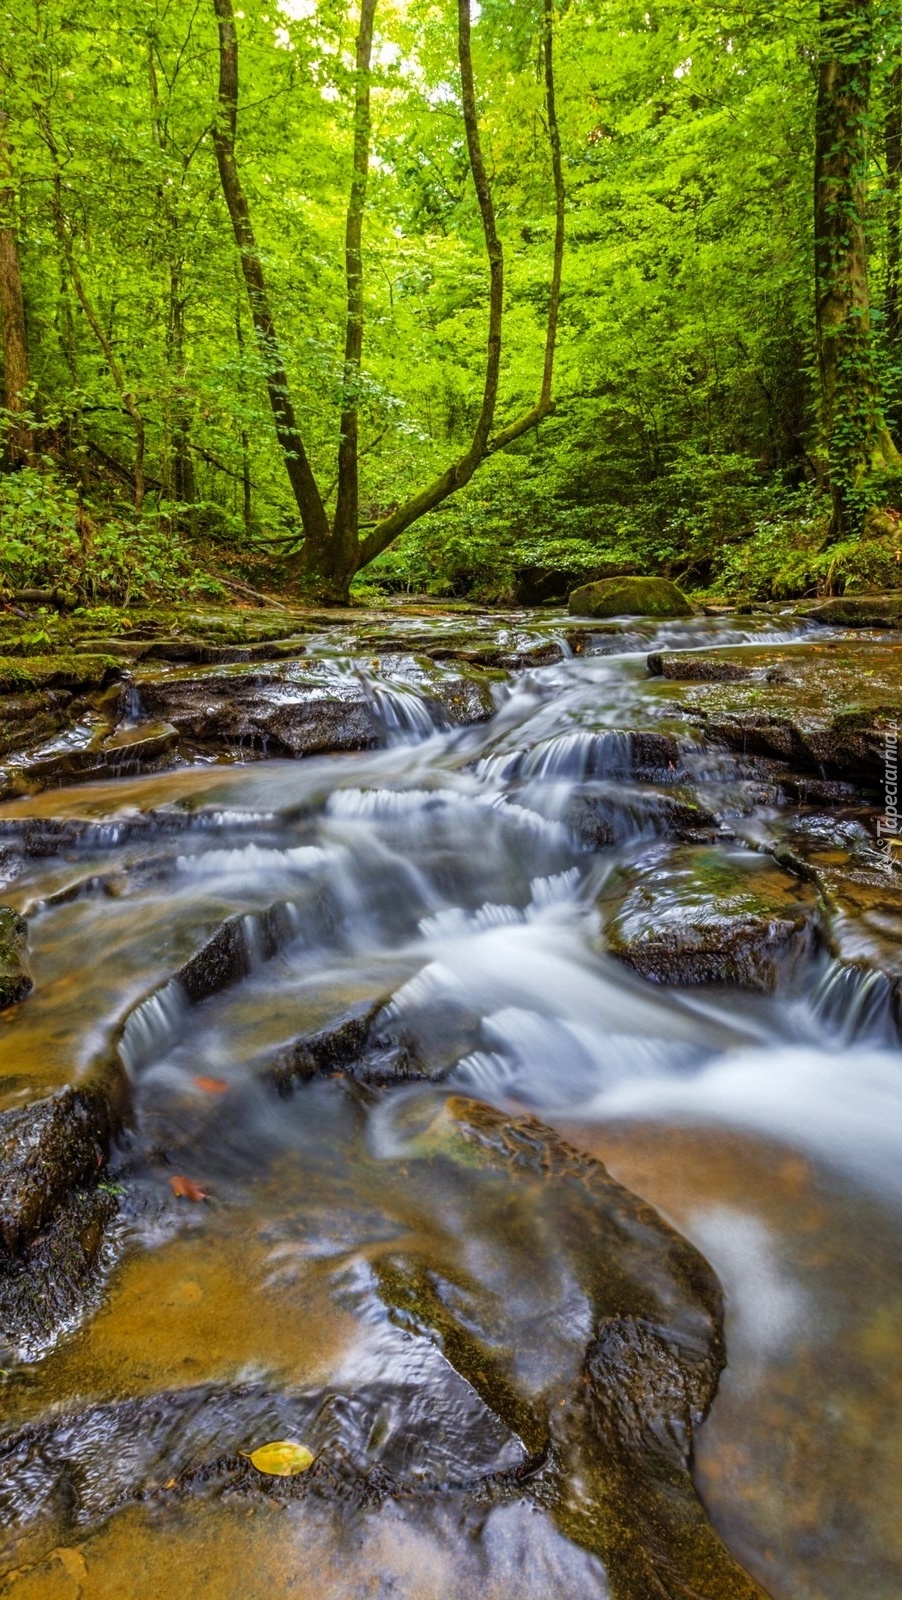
(855, 435)
(19, 442)
(892, 137)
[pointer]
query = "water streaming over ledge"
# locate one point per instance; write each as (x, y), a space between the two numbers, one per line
(442, 875)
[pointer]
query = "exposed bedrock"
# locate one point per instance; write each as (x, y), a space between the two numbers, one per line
(588, 1411)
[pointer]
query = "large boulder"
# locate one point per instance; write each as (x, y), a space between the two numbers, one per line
(629, 597)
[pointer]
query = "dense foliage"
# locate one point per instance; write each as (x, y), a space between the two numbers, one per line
(687, 433)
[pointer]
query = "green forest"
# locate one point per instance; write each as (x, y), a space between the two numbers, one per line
(478, 301)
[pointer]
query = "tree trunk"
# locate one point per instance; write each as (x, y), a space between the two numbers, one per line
(853, 428)
(19, 442)
(892, 138)
(344, 553)
(247, 504)
(183, 464)
(300, 474)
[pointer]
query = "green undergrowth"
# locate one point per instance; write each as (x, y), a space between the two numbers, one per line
(53, 538)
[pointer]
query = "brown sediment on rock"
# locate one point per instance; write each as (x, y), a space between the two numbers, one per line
(821, 707)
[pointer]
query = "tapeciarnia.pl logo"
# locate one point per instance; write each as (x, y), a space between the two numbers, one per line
(888, 825)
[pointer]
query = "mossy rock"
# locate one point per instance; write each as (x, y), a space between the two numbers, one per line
(859, 611)
(629, 597)
(63, 670)
(15, 979)
(703, 915)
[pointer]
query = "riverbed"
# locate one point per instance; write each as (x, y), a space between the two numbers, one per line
(444, 880)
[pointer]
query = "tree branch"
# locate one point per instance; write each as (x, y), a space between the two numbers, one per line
(485, 444)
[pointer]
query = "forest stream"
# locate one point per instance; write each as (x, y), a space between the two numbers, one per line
(501, 1101)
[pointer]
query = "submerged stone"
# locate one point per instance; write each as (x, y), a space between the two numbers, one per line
(585, 1412)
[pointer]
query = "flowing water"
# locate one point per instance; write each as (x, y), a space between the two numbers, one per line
(441, 873)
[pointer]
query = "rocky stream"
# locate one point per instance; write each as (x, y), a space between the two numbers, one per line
(503, 1100)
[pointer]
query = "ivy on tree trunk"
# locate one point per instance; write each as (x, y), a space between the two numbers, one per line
(855, 435)
(19, 442)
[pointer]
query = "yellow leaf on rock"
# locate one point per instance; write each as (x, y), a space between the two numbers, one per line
(283, 1459)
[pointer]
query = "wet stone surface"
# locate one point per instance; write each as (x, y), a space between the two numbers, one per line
(704, 916)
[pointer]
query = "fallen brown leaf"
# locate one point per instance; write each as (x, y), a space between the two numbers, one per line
(212, 1085)
(186, 1189)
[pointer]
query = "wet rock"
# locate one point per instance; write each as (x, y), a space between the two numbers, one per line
(858, 611)
(52, 1283)
(509, 658)
(644, 755)
(464, 697)
(15, 979)
(362, 1045)
(859, 885)
(603, 816)
(52, 1147)
(60, 671)
(824, 708)
(28, 718)
(202, 653)
(265, 712)
(369, 1446)
(53, 1217)
(629, 597)
(145, 741)
(91, 752)
(586, 1411)
(610, 639)
(240, 944)
(696, 668)
(703, 916)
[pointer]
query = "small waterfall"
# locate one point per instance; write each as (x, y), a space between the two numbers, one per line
(134, 709)
(859, 1004)
(405, 715)
(153, 1027)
